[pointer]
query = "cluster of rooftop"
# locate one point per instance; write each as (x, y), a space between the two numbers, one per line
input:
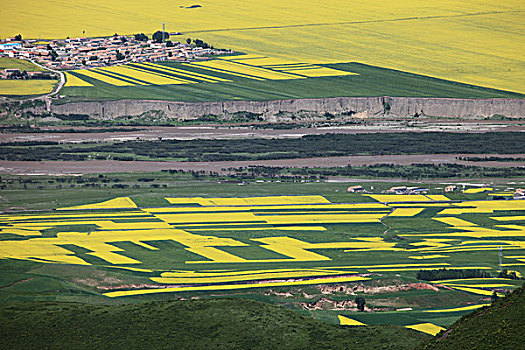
(80, 53)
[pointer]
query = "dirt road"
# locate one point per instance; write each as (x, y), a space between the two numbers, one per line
(110, 166)
(211, 132)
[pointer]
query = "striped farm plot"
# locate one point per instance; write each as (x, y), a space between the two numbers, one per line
(211, 71)
(260, 68)
(206, 244)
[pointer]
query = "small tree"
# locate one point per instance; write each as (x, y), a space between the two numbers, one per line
(18, 37)
(157, 36)
(120, 56)
(188, 40)
(494, 296)
(360, 301)
(200, 43)
(169, 43)
(141, 37)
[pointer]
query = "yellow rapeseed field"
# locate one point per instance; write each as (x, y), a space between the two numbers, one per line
(456, 309)
(184, 73)
(478, 190)
(438, 197)
(93, 73)
(206, 278)
(269, 200)
(73, 81)
(259, 68)
(194, 224)
(509, 218)
(476, 42)
(478, 207)
(26, 87)
(142, 76)
(347, 321)
(387, 198)
(423, 257)
(251, 72)
(406, 211)
(476, 291)
(119, 202)
(428, 328)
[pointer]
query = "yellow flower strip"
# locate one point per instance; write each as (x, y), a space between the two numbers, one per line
(104, 78)
(73, 81)
(428, 328)
(456, 309)
(246, 277)
(477, 291)
(115, 203)
(347, 321)
(235, 286)
(184, 73)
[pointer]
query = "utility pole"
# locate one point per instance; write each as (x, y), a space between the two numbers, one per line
(163, 45)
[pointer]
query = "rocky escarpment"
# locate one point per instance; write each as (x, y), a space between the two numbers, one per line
(286, 109)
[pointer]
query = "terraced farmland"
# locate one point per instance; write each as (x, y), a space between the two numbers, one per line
(240, 245)
(256, 77)
(244, 66)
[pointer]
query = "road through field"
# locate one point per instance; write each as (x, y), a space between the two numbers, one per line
(112, 166)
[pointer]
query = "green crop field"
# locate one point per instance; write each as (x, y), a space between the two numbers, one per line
(6, 62)
(365, 80)
(310, 247)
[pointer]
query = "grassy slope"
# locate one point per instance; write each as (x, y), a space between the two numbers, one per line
(196, 324)
(499, 326)
(371, 81)
(23, 87)
(6, 62)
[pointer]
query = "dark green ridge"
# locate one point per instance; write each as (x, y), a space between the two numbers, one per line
(196, 324)
(498, 326)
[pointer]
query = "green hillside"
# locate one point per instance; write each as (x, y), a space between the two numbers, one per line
(193, 324)
(499, 326)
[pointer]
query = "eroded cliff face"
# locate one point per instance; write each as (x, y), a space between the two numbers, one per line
(279, 109)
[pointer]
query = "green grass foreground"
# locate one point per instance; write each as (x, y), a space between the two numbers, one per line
(190, 324)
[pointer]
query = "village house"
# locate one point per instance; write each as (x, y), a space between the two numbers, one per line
(355, 189)
(450, 188)
(397, 190)
(79, 53)
(407, 190)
